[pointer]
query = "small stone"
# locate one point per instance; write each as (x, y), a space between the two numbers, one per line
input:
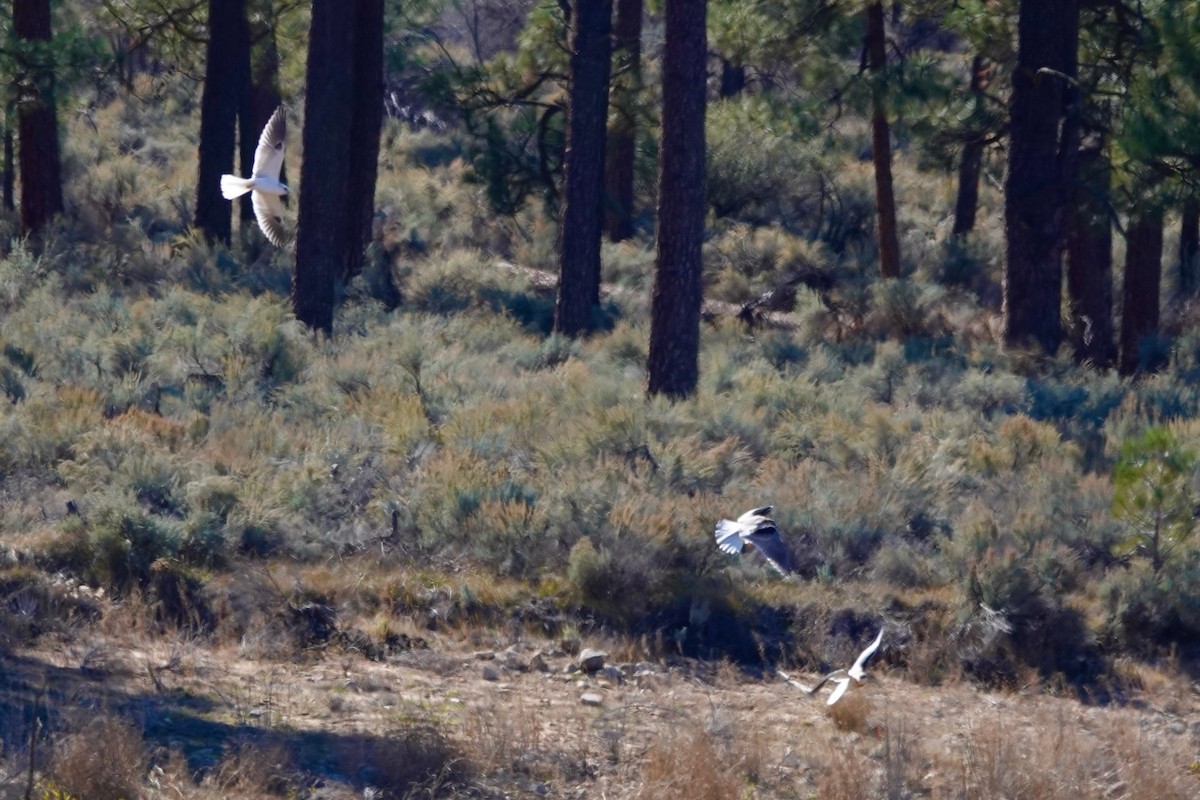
(591, 660)
(613, 674)
(538, 661)
(591, 699)
(490, 673)
(485, 655)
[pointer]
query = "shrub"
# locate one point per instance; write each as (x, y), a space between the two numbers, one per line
(104, 760)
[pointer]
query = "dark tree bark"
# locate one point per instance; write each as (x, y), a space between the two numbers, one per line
(733, 78)
(1143, 279)
(673, 362)
(881, 146)
(262, 97)
(366, 127)
(322, 237)
(227, 68)
(971, 164)
(1089, 261)
(10, 171)
(583, 182)
(622, 139)
(41, 166)
(1041, 157)
(1189, 245)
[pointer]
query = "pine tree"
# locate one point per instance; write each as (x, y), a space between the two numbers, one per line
(583, 183)
(1042, 148)
(226, 78)
(41, 167)
(673, 362)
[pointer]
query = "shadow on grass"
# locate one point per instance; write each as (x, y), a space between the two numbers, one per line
(59, 700)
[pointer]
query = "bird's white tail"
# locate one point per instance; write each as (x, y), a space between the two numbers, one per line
(232, 186)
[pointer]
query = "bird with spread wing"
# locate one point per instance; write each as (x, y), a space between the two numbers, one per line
(263, 184)
(756, 529)
(841, 677)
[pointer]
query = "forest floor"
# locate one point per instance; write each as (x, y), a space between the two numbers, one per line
(473, 715)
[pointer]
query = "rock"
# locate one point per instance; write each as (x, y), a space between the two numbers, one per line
(538, 661)
(490, 673)
(613, 674)
(591, 660)
(485, 655)
(514, 661)
(1177, 728)
(591, 699)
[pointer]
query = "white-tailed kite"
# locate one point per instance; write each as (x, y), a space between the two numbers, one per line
(842, 677)
(264, 183)
(756, 529)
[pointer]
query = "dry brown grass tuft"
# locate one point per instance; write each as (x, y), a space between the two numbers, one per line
(690, 764)
(848, 773)
(251, 770)
(851, 712)
(104, 760)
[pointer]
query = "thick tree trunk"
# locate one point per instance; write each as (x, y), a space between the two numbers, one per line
(262, 96)
(1039, 172)
(673, 363)
(10, 170)
(227, 68)
(1143, 279)
(622, 139)
(1189, 246)
(971, 165)
(583, 183)
(881, 146)
(366, 127)
(733, 78)
(322, 237)
(37, 123)
(1089, 261)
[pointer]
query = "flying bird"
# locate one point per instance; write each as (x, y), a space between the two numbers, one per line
(264, 184)
(756, 529)
(842, 677)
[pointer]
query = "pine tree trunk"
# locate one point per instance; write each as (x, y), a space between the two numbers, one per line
(1039, 172)
(1089, 261)
(622, 139)
(227, 67)
(733, 78)
(673, 363)
(10, 171)
(322, 239)
(1189, 246)
(583, 183)
(37, 123)
(881, 146)
(366, 127)
(1143, 279)
(262, 97)
(971, 165)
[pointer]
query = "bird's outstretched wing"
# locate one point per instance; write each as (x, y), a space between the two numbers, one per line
(856, 671)
(750, 515)
(268, 156)
(842, 685)
(729, 536)
(771, 545)
(269, 211)
(836, 675)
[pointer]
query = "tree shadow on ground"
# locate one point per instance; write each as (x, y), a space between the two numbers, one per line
(49, 701)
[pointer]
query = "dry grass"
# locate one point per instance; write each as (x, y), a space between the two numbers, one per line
(105, 759)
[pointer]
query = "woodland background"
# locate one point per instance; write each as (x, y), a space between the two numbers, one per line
(936, 302)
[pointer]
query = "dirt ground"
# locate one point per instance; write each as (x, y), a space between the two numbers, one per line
(519, 719)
